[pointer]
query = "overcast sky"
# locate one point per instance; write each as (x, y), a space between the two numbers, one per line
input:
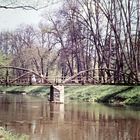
(10, 19)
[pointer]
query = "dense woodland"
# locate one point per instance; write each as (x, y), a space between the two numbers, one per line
(102, 36)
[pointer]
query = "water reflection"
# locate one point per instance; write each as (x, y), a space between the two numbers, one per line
(71, 121)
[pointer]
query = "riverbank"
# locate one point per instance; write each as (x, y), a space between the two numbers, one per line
(118, 95)
(8, 135)
(31, 90)
(121, 95)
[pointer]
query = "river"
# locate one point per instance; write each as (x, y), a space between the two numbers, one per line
(41, 120)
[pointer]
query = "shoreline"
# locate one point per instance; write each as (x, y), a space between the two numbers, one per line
(111, 94)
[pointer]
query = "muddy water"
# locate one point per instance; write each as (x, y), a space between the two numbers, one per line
(41, 120)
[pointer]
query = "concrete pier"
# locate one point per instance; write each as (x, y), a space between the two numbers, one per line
(57, 93)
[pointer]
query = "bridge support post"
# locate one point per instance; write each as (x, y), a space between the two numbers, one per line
(57, 93)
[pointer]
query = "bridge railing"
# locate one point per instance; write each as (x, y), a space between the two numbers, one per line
(56, 80)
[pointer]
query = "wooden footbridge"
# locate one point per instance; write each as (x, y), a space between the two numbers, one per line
(30, 77)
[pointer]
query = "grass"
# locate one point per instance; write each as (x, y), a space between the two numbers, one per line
(43, 90)
(8, 135)
(129, 95)
(94, 92)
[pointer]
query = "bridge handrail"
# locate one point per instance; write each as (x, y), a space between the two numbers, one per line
(84, 71)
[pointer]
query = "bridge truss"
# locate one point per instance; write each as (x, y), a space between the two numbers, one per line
(30, 77)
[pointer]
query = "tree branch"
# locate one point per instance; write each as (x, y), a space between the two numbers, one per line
(24, 7)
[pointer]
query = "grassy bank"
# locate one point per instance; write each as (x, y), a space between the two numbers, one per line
(129, 95)
(35, 90)
(7, 135)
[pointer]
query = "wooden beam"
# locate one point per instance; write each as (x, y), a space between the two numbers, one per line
(81, 72)
(28, 70)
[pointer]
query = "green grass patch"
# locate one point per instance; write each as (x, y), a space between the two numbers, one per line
(8, 135)
(44, 90)
(92, 92)
(129, 95)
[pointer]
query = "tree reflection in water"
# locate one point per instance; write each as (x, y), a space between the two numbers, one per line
(71, 121)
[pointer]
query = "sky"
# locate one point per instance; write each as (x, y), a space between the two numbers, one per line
(11, 19)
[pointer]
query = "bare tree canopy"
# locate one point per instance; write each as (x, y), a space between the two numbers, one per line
(83, 34)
